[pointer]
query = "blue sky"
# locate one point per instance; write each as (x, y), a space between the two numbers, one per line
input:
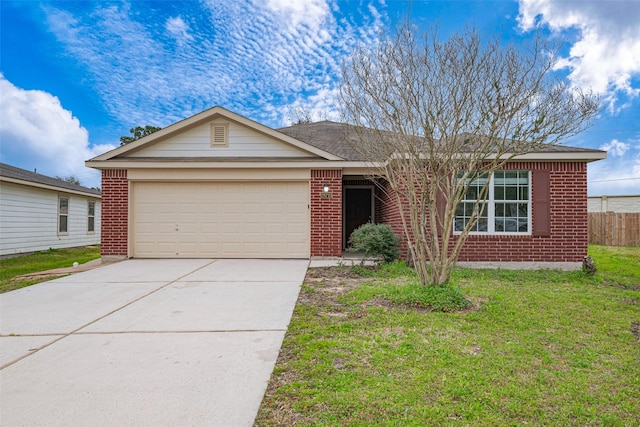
(76, 75)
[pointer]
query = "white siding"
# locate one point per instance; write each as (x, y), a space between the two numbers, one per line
(29, 220)
(243, 142)
(619, 204)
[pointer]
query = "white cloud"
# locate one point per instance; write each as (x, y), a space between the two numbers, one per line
(619, 173)
(606, 54)
(256, 66)
(317, 107)
(616, 148)
(38, 133)
(310, 13)
(123, 61)
(178, 29)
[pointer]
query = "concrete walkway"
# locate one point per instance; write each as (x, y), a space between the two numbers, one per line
(146, 342)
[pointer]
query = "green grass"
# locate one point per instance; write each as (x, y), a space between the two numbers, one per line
(538, 348)
(618, 265)
(409, 292)
(41, 261)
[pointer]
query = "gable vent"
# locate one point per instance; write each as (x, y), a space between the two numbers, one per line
(219, 135)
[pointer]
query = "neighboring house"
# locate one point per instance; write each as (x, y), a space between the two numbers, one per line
(218, 185)
(38, 212)
(620, 204)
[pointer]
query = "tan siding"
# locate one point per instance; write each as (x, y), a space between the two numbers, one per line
(219, 174)
(243, 142)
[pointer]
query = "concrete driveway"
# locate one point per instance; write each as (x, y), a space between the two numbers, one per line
(146, 342)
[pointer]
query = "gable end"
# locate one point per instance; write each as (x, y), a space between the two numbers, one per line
(198, 123)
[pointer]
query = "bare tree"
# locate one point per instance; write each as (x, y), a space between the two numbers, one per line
(436, 118)
(300, 115)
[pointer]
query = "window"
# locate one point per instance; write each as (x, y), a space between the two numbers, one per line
(91, 217)
(506, 208)
(511, 201)
(219, 134)
(63, 215)
(465, 208)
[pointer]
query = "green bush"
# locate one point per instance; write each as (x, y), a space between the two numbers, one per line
(445, 298)
(376, 240)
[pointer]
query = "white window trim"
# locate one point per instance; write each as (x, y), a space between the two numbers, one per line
(491, 210)
(60, 214)
(91, 216)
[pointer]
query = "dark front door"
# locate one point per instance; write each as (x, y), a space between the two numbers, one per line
(358, 210)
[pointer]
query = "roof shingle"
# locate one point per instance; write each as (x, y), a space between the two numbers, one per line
(328, 136)
(13, 172)
(334, 138)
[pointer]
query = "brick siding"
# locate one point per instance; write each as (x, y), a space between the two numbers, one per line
(388, 212)
(568, 216)
(326, 214)
(115, 212)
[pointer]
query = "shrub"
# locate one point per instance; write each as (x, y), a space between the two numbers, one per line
(376, 240)
(445, 298)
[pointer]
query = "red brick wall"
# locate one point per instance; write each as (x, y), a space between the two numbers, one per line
(567, 242)
(326, 214)
(568, 216)
(569, 233)
(115, 212)
(389, 213)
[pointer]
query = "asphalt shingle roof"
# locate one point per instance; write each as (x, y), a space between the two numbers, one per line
(334, 138)
(13, 172)
(328, 136)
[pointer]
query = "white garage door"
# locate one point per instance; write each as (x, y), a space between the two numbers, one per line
(221, 220)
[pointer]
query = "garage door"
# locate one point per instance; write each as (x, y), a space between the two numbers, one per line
(220, 220)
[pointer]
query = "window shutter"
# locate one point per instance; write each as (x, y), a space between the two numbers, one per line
(219, 135)
(541, 203)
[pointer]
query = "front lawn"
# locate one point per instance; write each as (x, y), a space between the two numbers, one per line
(536, 348)
(41, 261)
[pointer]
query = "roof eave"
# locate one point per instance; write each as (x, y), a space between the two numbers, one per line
(313, 164)
(48, 187)
(587, 156)
(129, 163)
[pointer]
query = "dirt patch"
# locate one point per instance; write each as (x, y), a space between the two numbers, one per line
(338, 272)
(476, 303)
(635, 328)
(325, 285)
(621, 285)
(325, 293)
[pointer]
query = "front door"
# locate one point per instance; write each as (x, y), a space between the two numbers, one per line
(358, 205)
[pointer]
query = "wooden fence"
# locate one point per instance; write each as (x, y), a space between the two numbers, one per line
(614, 229)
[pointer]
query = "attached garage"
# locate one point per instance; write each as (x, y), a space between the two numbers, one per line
(215, 185)
(220, 219)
